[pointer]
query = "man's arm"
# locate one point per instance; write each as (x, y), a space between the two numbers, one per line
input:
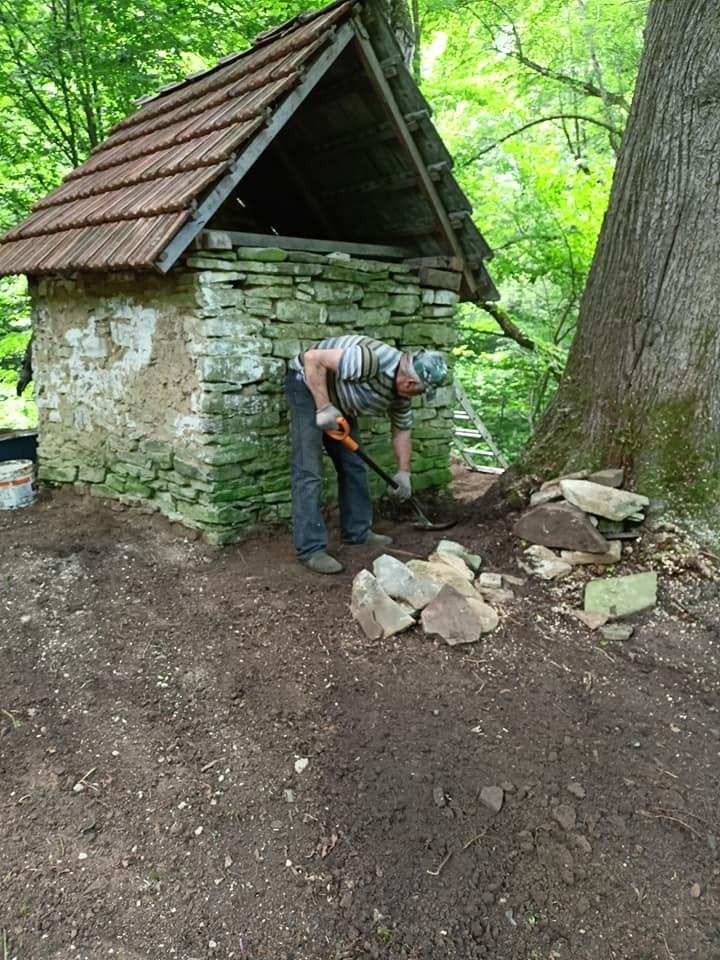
(402, 445)
(317, 364)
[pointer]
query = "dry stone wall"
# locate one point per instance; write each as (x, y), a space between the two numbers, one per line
(168, 390)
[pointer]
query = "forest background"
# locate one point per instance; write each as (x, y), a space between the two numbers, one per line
(531, 97)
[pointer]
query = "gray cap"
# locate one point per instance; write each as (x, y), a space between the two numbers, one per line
(430, 369)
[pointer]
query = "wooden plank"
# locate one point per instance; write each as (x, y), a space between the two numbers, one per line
(372, 64)
(440, 263)
(348, 142)
(257, 145)
(401, 181)
(377, 250)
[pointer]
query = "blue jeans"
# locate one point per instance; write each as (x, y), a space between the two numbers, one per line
(307, 443)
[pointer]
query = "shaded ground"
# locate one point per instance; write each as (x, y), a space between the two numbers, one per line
(156, 693)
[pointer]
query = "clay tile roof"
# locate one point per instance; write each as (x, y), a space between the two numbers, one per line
(318, 131)
(122, 206)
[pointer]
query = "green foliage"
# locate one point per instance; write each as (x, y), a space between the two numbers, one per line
(531, 97)
(16, 412)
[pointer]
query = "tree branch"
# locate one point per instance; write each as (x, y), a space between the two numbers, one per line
(533, 123)
(509, 329)
(584, 86)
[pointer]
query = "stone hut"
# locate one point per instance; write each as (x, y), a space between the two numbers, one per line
(296, 190)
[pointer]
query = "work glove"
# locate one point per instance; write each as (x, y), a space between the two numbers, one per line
(403, 491)
(326, 418)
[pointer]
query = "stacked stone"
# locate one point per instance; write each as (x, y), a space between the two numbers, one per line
(213, 452)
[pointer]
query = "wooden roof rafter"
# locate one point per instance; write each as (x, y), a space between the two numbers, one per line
(444, 222)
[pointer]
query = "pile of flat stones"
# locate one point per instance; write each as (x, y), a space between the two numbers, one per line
(446, 594)
(582, 519)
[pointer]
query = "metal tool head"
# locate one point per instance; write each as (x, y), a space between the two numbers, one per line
(423, 523)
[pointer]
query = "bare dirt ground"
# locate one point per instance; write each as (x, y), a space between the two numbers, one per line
(156, 695)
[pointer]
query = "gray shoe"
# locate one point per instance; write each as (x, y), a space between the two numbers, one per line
(373, 540)
(322, 562)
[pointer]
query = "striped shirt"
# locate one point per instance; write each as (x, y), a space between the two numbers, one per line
(364, 383)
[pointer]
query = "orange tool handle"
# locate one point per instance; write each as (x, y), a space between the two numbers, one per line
(343, 434)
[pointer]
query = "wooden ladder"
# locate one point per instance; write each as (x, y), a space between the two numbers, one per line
(468, 430)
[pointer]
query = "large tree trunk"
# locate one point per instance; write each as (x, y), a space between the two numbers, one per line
(640, 389)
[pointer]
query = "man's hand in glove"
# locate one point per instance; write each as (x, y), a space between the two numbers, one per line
(403, 491)
(326, 418)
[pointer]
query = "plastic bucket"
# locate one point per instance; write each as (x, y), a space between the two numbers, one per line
(16, 484)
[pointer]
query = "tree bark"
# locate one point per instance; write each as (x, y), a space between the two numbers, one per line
(640, 388)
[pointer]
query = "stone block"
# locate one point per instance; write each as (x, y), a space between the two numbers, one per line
(208, 277)
(282, 269)
(289, 311)
(327, 291)
(239, 370)
(372, 300)
(261, 254)
(115, 482)
(269, 282)
(90, 474)
(406, 304)
(378, 614)
(577, 557)
(602, 500)
(560, 525)
(137, 488)
(218, 261)
(357, 270)
(454, 549)
(286, 348)
(188, 468)
(458, 618)
(259, 306)
(543, 563)
(345, 314)
(443, 573)
(400, 583)
(306, 256)
(232, 348)
(622, 596)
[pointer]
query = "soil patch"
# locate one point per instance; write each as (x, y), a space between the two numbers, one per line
(202, 756)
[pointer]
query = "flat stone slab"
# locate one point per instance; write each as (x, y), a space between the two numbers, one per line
(458, 618)
(612, 477)
(578, 557)
(453, 560)
(542, 562)
(601, 500)
(491, 580)
(617, 631)
(400, 583)
(452, 547)
(622, 596)
(562, 526)
(376, 612)
(443, 573)
(546, 495)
